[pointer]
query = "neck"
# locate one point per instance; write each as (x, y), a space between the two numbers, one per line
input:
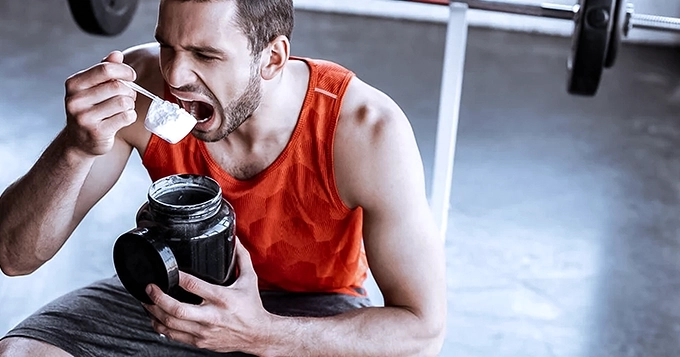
(277, 115)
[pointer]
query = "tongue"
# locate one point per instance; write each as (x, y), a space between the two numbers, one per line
(200, 110)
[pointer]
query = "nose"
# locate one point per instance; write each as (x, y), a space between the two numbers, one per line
(177, 70)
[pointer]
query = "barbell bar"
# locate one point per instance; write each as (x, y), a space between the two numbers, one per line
(553, 11)
(571, 12)
(650, 22)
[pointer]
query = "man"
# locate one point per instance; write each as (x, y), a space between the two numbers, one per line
(323, 172)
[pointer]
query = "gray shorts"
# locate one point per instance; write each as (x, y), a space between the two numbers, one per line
(103, 319)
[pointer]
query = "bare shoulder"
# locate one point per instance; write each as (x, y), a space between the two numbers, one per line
(374, 143)
(366, 108)
(144, 60)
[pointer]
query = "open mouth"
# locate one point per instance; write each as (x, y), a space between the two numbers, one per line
(200, 110)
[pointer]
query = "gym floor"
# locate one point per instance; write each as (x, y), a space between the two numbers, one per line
(563, 236)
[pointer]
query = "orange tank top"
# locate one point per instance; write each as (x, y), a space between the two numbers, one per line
(300, 235)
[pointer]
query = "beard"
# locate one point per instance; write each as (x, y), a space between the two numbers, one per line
(238, 110)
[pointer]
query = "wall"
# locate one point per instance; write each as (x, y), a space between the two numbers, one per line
(437, 13)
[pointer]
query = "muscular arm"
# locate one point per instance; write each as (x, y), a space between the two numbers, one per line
(378, 167)
(39, 211)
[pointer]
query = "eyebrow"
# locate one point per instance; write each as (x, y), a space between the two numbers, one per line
(195, 48)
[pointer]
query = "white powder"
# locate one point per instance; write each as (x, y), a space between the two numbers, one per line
(169, 121)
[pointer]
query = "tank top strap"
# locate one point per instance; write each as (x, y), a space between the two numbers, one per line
(329, 80)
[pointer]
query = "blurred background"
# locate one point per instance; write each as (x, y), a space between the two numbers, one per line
(563, 235)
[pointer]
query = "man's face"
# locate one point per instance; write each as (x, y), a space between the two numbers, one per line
(206, 61)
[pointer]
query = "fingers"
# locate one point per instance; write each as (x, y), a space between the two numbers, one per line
(98, 74)
(172, 313)
(102, 101)
(118, 121)
(98, 94)
(110, 68)
(114, 56)
(98, 104)
(199, 287)
(102, 111)
(182, 334)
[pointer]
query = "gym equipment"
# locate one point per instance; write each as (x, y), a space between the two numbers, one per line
(590, 43)
(599, 27)
(103, 17)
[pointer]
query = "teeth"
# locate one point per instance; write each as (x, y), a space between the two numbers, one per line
(193, 110)
(193, 107)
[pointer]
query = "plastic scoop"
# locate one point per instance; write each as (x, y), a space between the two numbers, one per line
(166, 119)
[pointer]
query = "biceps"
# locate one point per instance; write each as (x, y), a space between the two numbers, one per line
(407, 260)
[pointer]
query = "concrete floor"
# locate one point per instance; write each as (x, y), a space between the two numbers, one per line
(563, 236)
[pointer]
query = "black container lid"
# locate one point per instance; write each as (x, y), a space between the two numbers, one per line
(140, 260)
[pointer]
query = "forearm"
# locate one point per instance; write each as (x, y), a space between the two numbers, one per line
(375, 331)
(37, 211)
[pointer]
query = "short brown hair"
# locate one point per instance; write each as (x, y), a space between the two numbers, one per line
(262, 20)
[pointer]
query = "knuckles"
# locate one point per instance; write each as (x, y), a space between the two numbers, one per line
(72, 105)
(119, 88)
(192, 285)
(123, 102)
(200, 343)
(130, 116)
(178, 312)
(169, 322)
(106, 69)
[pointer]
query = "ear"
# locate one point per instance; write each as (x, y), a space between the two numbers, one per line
(274, 57)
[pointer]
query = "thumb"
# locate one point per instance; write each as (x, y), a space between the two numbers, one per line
(118, 57)
(114, 56)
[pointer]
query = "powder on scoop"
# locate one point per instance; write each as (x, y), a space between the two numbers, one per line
(169, 121)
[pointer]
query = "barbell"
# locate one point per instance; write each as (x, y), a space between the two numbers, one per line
(599, 27)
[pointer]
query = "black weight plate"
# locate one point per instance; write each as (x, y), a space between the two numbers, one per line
(103, 17)
(589, 46)
(616, 34)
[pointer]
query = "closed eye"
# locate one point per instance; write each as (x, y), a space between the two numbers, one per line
(204, 57)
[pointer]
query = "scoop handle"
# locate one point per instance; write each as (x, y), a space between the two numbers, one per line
(139, 89)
